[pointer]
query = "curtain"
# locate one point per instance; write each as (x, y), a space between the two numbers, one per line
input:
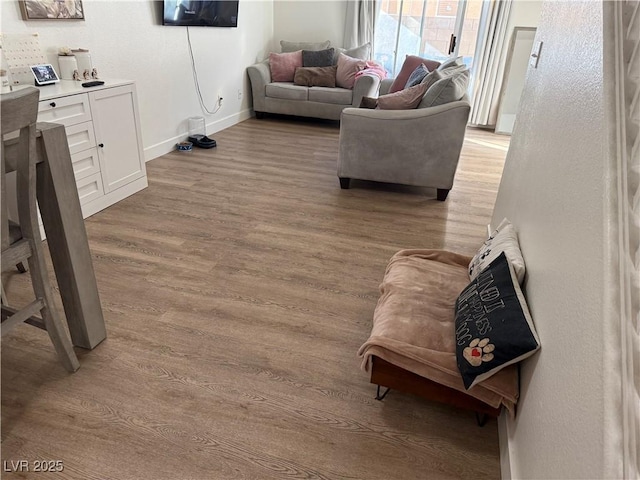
(359, 23)
(489, 69)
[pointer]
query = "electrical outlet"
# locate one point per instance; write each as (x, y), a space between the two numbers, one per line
(239, 94)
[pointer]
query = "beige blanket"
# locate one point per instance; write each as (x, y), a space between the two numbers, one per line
(413, 324)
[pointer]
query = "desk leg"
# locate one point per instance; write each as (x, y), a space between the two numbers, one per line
(67, 240)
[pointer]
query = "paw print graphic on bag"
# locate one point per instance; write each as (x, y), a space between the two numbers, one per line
(478, 351)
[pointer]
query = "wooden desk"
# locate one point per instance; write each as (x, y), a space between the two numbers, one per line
(66, 236)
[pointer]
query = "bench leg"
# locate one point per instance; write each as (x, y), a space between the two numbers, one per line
(381, 397)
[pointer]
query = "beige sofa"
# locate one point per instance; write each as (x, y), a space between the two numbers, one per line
(319, 102)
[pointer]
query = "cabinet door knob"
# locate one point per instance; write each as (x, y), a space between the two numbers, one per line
(53, 104)
(101, 145)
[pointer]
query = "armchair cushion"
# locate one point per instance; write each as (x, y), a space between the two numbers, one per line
(404, 99)
(450, 85)
(409, 65)
(417, 76)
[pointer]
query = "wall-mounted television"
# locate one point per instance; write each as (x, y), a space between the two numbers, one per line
(201, 13)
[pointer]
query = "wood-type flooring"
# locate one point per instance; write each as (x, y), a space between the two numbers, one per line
(236, 290)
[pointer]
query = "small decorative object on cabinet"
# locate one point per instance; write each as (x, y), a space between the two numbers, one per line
(103, 132)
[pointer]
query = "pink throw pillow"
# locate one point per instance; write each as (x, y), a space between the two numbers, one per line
(347, 69)
(283, 65)
(404, 99)
(409, 65)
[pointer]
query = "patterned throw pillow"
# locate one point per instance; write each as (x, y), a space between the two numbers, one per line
(417, 76)
(493, 324)
(317, 58)
(503, 239)
(283, 65)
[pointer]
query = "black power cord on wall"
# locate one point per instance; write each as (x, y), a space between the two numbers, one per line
(197, 83)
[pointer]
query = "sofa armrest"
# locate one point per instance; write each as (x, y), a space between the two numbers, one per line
(365, 86)
(385, 86)
(403, 146)
(260, 77)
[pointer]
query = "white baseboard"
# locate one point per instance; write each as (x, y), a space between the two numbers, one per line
(169, 145)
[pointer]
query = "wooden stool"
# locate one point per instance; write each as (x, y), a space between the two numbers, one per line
(21, 241)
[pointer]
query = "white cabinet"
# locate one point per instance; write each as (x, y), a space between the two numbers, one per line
(105, 142)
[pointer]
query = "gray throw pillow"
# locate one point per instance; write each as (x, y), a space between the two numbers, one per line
(317, 58)
(451, 62)
(446, 88)
(295, 46)
(363, 52)
(417, 76)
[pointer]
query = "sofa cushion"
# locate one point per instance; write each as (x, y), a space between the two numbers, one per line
(417, 76)
(283, 65)
(493, 325)
(451, 62)
(316, 76)
(503, 239)
(404, 99)
(287, 91)
(409, 65)
(347, 69)
(317, 58)
(337, 96)
(450, 85)
(362, 52)
(286, 46)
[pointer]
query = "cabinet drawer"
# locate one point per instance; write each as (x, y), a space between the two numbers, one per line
(65, 110)
(90, 188)
(80, 137)
(85, 163)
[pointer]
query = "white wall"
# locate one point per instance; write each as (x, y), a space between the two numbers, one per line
(127, 40)
(553, 189)
(309, 21)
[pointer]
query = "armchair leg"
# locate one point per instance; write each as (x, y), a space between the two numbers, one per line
(259, 115)
(344, 183)
(442, 194)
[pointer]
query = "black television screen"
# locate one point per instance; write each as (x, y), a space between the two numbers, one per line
(201, 13)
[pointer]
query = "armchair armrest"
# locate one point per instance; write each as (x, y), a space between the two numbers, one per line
(260, 77)
(365, 86)
(411, 147)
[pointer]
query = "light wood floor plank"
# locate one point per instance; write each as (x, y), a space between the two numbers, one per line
(237, 289)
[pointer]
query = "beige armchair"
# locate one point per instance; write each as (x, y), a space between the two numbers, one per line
(418, 147)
